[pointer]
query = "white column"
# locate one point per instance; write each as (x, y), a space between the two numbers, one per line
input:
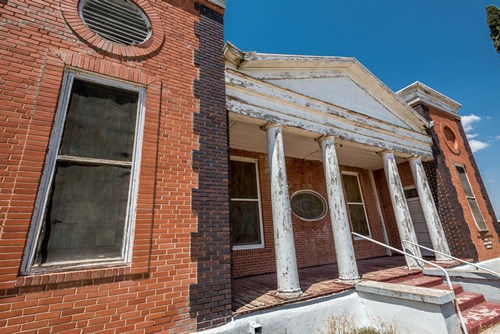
(401, 211)
(344, 250)
(432, 220)
(286, 262)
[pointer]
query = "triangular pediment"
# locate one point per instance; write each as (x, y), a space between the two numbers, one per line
(342, 82)
(343, 92)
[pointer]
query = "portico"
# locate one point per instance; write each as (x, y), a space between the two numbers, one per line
(333, 124)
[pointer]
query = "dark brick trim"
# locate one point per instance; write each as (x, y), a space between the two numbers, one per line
(446, 198)
(210, 296)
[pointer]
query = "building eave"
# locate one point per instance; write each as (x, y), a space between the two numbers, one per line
(418, 92)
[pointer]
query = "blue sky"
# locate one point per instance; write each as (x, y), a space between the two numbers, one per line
(444, 44)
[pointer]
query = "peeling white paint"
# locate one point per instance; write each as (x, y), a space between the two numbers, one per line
(286, 262)
(344, 250)
(249, 97)
(436, 233)
(401, 211)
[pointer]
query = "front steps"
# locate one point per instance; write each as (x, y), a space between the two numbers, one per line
(478, 314)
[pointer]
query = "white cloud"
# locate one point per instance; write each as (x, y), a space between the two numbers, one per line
(497, 138)
(468, 121)
(468, 124)
(477, 145)
(471, 135)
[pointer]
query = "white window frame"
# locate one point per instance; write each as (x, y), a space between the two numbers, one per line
(468, 197)
(364, 205)
(50, 163)
(256, 164)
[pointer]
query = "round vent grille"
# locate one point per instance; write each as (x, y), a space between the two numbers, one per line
(120, 21)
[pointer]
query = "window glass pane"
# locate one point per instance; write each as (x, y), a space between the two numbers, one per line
(358, 219)
(85, 214)
(100, 122)
(308, 205)
(245, 222)
(351, 186)
(465, 181)
(481, 224)
(243, 180)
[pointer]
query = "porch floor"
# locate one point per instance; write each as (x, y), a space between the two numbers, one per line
(258, 292)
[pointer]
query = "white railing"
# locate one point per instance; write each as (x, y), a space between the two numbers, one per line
(450, 286)
(455, 258)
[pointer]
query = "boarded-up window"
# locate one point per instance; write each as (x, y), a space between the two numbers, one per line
(86, 201)
(355, 204)
(476, 212)
(246, 223)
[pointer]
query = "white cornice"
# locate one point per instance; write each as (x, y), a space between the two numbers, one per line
(220, 3)
(253, 61)
(418, 92)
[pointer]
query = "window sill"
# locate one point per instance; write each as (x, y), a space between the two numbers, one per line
(246, 248)
(76, 275)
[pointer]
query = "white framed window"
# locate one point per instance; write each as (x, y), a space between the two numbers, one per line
(355, 203)
(85, 208)
(471, 199)
(245, 207)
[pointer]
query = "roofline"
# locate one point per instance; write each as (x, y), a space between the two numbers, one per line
(220, 3)
(418, 92)
(239, 58)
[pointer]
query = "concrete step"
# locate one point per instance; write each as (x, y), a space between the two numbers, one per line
(481, 317)
(466, 300)
(457, 289)
(423, 281)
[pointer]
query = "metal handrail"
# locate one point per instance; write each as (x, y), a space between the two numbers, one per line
(455, 258)
(450, 286)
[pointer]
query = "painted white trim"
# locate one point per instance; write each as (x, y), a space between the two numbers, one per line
(251, 97)
(363, 203)
(474, 197)
(325, 204)
(51, 159)
(258, 199)
(418, 92)
(379, 211)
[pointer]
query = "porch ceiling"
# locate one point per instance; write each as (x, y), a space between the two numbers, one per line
(245, 134)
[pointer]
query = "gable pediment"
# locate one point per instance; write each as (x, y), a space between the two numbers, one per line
(323, 95)
(344, 92)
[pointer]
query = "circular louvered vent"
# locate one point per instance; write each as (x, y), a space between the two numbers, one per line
(120, 21)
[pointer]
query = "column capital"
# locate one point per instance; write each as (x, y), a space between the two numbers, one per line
(384, 152)
(270, 125)
(415, 157)
(326, 137)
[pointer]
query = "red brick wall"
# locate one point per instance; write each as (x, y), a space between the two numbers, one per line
(462, 155)
(157, 290)
(313, 240)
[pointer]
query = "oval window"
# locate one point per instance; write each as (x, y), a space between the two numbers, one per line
(308, 205)
(451, 139)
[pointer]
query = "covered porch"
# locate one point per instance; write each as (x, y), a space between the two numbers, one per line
(259, 292)
(316, 154)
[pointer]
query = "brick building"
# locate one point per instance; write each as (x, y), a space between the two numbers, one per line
(120, 123)
(135, 188)
(311, 100)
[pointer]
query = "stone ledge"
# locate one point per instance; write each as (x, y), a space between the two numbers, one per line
(405, 292)
(462, 273)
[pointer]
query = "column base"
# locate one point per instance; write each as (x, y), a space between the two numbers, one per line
(349, 281)
(289, 294)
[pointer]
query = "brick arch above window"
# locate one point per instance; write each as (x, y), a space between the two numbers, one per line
(72, 17)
